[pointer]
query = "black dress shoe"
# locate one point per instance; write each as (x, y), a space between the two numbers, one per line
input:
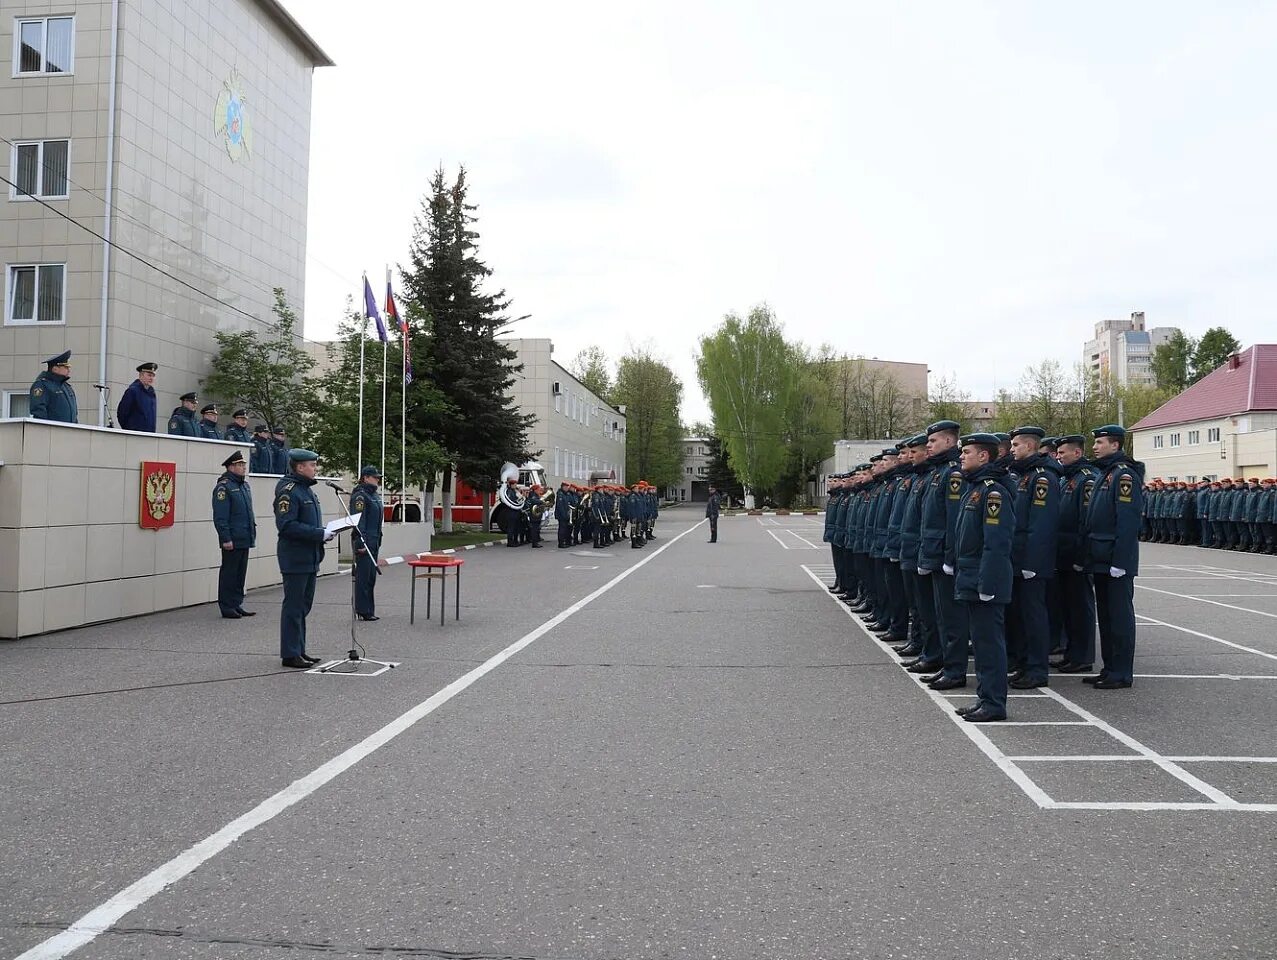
(297, 663)
(1095, 679)
(310, 659)
(1107, 684)
(1056, 663)
(1013, 675)
(963, 711)
(369, 619)
(947, 683)
(907, 652)
(1026, 683)
(246, 613)
(859, 608)
(1067, 667)
(981, 715)
(231, 614)
(925, 666)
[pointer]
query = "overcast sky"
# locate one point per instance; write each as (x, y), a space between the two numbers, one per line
(969, 185)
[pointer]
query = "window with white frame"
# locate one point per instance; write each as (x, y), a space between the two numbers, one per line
(17, 403)
(558, 403)
(702, 470)
(36, 293)
(557, 463)
(1191, 478)
(689, 470)
(1194, 437)
(39, 169)
(1175, 439)
(43, 45)
(1212, 434)
(1157, 442)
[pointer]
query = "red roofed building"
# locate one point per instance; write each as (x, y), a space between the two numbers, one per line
(1225, 425)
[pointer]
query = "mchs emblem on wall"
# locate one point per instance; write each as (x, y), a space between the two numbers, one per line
(230, 119)
(159, 495)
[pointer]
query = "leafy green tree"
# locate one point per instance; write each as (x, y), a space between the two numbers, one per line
(592, 368)
(1173, 361)
(1213, 350)
(945, 401)
(719, 472)
(744, 370)
(651, 394)
(335, 428)
(810, 424)
(455, 341)
(266, 371)
(1138, 400)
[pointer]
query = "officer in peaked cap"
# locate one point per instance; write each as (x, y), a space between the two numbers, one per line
(208, 423)
(367, 507)
(279, 450)
(1113, 554)
(137, 408)
(238, 430)
(236, 533)
(182, 421)
(300, 524)
(261, 460)
(51, 396)
(938, 517)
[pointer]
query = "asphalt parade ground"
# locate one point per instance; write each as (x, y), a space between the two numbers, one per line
(688, 750)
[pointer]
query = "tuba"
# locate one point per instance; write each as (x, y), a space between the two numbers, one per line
(510, 496)
(546, 504)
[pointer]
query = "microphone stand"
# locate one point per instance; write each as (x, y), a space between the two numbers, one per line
(105, 391)
(353, 655)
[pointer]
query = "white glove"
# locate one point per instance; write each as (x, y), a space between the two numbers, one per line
(1116, 573)
(923, 572)
(328, 536)
(1076, 568)
(894, 559)
(986, 597)
(1027, 574)
(948, 570)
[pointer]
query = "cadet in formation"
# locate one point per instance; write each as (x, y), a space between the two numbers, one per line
(207, 426)
(181, 422)
(137, 408)
(236, 534)
(990, 544)
(262, 458)
(564, 504)
(367, 507)
(279, 451)
(238, 430)
(51, 396)
(300, 552)
(1226, 514)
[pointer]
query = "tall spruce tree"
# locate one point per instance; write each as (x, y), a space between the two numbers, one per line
(457, 340)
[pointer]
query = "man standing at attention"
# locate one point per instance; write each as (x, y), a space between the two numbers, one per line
(207, 426)
(1112, 534)
(300, 552)
(51, 396)
(366, 506)
(238, 431)
(182, 422)
(136, 409)
(236, 532)
(711, 512)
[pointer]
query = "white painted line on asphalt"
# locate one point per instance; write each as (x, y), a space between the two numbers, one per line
(1077, 758)
(1206, 676)
(778, 540)
(1223, 759)
(101, 918)
(1044, 723)
(814, 546)
(972, 731)
(1214, 603)
(1207, 636)
(1223, 573)
(1154, 806)
(1201, 786)
(578, 566)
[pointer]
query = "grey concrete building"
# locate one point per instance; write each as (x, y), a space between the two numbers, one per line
(693, 485)
(180, 131)
(1123, 349)
(577, 432)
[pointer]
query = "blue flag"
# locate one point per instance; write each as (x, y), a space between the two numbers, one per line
(370, 310)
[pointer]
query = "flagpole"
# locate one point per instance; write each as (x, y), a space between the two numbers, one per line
(384, 345)
(359, 464)
(403, 405)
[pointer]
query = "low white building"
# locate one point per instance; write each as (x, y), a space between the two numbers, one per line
(848, 454)
(1225, 425)
(693, 484)
(577, 432)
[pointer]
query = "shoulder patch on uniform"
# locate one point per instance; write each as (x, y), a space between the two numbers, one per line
(1041, 486)
(358, 505)
(955, 484)
(36, 391)
(282, 505)
(221, 491)
(993, 507)
(1125, 486)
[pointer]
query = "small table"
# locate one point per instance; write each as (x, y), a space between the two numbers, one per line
(431, 569)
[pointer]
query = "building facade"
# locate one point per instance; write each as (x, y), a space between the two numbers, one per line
(693, 484)
(577, 432)
(180, 132)
(1123, 349)
(1225, 425)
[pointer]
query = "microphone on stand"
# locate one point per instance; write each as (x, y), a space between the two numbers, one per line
(334, 486)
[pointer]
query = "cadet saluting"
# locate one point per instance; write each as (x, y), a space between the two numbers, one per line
(51, 396)
(236, 532)
(1113, 554)
(366, 507)
(300, 523)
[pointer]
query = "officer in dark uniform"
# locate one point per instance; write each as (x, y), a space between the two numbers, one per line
(238, 430)
(366, 506)
(261, 460)
(137, 408)
(300, 523)
(1075, 595)
(1202, 498)
(182, 422)
(535, 511)
(51, 396)
(711, 513)
(1268, 514)
(983, 570)
(279, 451)
(834, 535)
(207, 425)
(1033, 557)
(1113, 554)
(236, 533)
(941, 500)
(563, 514)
